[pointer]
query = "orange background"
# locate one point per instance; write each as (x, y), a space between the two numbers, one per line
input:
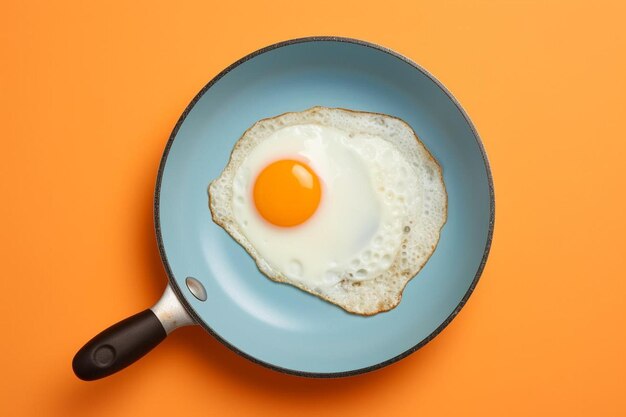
(90, 92)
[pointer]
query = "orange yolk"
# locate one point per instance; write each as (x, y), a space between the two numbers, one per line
(287, 193)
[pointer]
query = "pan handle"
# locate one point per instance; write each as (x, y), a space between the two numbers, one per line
(125, 342)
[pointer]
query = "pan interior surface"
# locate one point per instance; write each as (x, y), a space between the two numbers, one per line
(277, 324)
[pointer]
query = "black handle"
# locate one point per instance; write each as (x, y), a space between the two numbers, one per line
(118, 346)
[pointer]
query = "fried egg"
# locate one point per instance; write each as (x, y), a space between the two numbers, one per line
(345, 205)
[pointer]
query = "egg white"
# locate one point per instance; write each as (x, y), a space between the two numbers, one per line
(383, 205)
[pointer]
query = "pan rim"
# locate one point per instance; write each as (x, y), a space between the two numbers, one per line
(161, 246)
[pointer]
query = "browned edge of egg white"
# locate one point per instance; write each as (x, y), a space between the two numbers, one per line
(382, 307)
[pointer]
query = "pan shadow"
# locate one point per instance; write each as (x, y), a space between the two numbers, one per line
(215, 359)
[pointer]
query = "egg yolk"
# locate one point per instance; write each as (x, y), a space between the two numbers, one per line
(287, 193)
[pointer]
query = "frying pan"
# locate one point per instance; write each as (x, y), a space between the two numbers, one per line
(213, 283)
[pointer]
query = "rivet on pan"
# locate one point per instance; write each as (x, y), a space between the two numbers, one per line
(196, 288)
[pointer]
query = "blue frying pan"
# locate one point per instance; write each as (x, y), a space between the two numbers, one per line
(213, 282)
